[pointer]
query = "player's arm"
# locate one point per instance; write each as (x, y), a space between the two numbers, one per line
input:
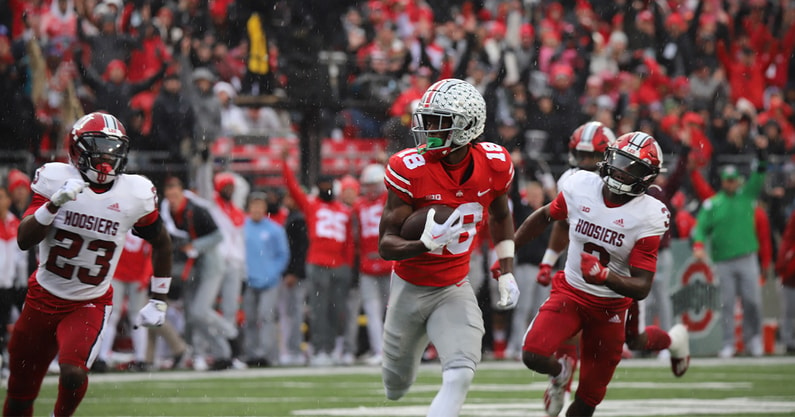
(161, 254)
(535, 224)
(642, 266)
(501, 228)
(42, 211)
(31, 231)
(391, 246)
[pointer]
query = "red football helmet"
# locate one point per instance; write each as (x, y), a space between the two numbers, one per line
(591, 137)
(98, 146)
(631, 164)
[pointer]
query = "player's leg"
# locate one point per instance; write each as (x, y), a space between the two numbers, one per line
(291, 316)
(525, 279)
(252, 348)
(109, 337)
(31, 349)
(728, 295)
(78, 335)
(660, 292)
(557, 321)
(371, 290)
(404, 336)
(751, 298)
(787, 325)
(456, 329)
(322, 333)
(601, 345)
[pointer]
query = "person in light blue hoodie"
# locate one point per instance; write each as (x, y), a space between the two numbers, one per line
(267, 255)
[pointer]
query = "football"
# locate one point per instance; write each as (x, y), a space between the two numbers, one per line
(414, 224)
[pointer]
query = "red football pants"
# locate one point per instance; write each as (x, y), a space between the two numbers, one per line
(39, 336)
(560, 318)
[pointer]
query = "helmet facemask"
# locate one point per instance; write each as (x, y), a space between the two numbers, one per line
(101, 157)
(438, 132)
(623, 173)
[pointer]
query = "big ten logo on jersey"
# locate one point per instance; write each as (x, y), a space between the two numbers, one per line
(331, 224)
(493, 151)
(369, 219)
(471, 216)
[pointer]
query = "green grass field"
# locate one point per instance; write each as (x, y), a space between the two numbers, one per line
(641, 387)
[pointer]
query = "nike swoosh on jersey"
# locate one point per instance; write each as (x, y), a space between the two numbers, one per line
(481, 193)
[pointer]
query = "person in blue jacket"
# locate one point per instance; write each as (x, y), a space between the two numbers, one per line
(267, 255)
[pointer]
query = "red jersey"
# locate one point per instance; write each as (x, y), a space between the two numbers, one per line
(135, 263)
(422, 183)
(328, 226)
(368, 212)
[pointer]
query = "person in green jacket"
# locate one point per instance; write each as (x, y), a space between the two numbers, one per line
(726, 220)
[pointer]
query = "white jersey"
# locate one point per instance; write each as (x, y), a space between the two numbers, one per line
(609, 233)
(78, 257)
(566, 175)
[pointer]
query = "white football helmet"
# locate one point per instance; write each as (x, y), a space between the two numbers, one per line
(450, 114)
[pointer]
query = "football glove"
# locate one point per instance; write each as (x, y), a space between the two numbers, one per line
(68, 191)
(436, 235)
(544, 277)
(509, 292)
(152, 315)
(592, 270)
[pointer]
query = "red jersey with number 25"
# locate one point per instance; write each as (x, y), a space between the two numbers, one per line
(422, 183)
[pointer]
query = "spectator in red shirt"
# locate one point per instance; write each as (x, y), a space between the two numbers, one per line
(746, 73)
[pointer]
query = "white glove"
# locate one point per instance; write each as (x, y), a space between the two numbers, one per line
(152, 315)
(68, 191)
(436, 235)
(509, 292)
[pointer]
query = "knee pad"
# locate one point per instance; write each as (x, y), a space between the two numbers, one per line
(395, 386)
(459, 378)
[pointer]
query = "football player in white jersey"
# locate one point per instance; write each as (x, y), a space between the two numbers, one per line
(614, 235)
(79, 217)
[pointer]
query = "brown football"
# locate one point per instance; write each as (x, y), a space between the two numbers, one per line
(414, 224)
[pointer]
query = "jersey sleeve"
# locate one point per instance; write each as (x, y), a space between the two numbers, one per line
(659, 219)
(558, 209)
(644, 253)
(398, 177)
(145, 195)
(501, 165)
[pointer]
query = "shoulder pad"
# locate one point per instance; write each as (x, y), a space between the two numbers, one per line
(51, 176)
(141, 189)
(498, 157)
(407, 163)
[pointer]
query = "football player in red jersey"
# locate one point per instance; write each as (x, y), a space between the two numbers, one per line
(373, 269)
(431, 298)
(614, 235)
(79, 217)
(328, 262)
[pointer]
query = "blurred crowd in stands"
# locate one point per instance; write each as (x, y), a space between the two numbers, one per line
(710, 75)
